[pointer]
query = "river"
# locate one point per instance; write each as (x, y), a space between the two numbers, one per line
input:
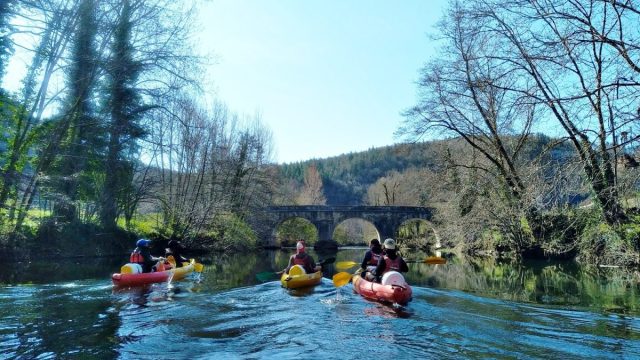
(468, 308)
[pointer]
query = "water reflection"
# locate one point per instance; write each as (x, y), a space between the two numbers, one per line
(560, 310)
(613, 290)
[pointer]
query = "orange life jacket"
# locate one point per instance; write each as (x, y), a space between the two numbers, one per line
(136, 257)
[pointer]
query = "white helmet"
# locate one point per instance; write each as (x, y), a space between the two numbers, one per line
(389, 244)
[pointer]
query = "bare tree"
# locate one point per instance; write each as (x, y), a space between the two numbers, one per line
(311, 192)
(465, 92)
(558, 47)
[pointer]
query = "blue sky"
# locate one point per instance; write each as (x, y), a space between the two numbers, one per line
(328, 77)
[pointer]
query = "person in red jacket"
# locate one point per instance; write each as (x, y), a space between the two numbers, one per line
(390, 261)
(303, 259)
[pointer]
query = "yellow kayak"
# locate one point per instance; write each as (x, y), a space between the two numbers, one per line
(297, 278)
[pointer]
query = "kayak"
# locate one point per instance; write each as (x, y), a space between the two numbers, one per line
(395, 291)
(297, 278)
(123, 279)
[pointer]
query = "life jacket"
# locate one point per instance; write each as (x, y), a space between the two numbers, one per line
(374, 258)
(136, 257)
(299, 260)
(391, 265)
(304, 262)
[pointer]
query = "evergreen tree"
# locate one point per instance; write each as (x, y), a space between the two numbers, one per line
(125, 107)
(81, 142)
(6, 47)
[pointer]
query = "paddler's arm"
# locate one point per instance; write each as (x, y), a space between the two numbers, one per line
(365, 261)
(313, 265)
(382, 265)
(403, 266)
(286, 270)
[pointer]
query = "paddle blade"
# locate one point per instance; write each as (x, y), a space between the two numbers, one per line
(435, 260)
(266, 276)
(344, 265)
(171, 261)
(341, 279)
(198, 267)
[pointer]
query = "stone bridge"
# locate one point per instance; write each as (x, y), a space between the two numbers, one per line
(386, 219)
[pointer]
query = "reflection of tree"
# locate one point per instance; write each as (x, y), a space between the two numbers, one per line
(532, 282)
(47, 320)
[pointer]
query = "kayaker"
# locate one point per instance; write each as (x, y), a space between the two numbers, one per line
(390, 260)
(303, 259)
(175, 249)
(142, 255)
(371, 258)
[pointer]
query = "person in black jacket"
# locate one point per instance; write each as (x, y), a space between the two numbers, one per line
(176, 250)
(371, 258)
(390, 261)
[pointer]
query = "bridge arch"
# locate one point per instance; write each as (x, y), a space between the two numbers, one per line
(287, 231)
(355, 229)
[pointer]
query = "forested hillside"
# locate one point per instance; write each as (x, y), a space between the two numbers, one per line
(347, 177)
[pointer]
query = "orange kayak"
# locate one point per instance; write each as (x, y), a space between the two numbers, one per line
(399, 292)
(122, 279)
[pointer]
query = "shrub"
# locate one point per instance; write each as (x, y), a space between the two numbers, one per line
(602, 244)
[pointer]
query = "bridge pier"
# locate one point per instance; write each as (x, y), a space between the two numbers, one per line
(386, 230)
(325, 229)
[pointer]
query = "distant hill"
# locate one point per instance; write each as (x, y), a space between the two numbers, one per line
(347, 177)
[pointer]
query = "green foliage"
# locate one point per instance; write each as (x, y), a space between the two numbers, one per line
(292, 230)
(630, 232)
(602, 244)
(416, 234)
(146, 225)
(231, 232)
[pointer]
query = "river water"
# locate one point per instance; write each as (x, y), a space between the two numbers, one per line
(465, 309)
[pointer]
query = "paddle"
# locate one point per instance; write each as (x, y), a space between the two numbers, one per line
(341, 279)
(268, 275)
(431, 260)
(197, 267)
(344, 265)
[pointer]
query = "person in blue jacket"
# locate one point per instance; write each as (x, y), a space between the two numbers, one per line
(142, 255)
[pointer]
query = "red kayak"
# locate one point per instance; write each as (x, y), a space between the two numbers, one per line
(123, 279)
(393, 289)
